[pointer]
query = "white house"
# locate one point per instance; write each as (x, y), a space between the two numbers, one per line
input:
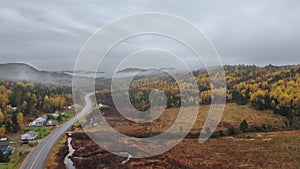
(3, 139)
(55, 115)
(14, 109)
(3, 143)
(38, 122)
(30, 135)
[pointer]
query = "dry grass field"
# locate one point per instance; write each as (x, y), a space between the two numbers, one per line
(232, 117)
(252, 150)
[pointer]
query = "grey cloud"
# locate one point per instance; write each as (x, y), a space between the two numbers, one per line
(50, 34)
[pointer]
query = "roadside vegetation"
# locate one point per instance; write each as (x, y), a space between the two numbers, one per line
(55, 161)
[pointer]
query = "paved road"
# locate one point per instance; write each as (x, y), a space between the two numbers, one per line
(37, 157)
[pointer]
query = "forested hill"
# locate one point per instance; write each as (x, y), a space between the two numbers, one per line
(269, 87)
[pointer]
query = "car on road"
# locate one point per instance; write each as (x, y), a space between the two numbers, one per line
(50, 123)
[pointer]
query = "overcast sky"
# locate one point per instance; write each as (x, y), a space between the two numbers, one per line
(50, 34)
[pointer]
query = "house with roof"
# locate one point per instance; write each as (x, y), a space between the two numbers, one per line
(38, 122)
(4, 143)
(30, 135)
(4, 139)
(54, 115)
(14, 109)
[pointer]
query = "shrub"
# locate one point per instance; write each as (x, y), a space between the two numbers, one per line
(244, 126)
(231, 131)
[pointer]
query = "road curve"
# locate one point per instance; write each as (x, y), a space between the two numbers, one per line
(37, 157)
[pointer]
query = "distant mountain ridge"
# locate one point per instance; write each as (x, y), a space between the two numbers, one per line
(130, 70)
(24, 72)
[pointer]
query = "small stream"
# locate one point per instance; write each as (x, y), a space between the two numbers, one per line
(68, 162)
(129, 156)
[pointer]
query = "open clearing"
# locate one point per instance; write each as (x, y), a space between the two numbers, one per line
(232, 117)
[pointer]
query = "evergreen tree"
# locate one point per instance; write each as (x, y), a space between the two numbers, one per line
(15, 124)
(244, 126)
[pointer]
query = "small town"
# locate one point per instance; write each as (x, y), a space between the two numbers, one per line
(31, 132)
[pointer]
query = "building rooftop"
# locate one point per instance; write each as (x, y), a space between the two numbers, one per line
(31, 133)
(3, 139)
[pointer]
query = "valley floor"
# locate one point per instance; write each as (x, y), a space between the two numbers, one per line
(279, 149)
(252, 150)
